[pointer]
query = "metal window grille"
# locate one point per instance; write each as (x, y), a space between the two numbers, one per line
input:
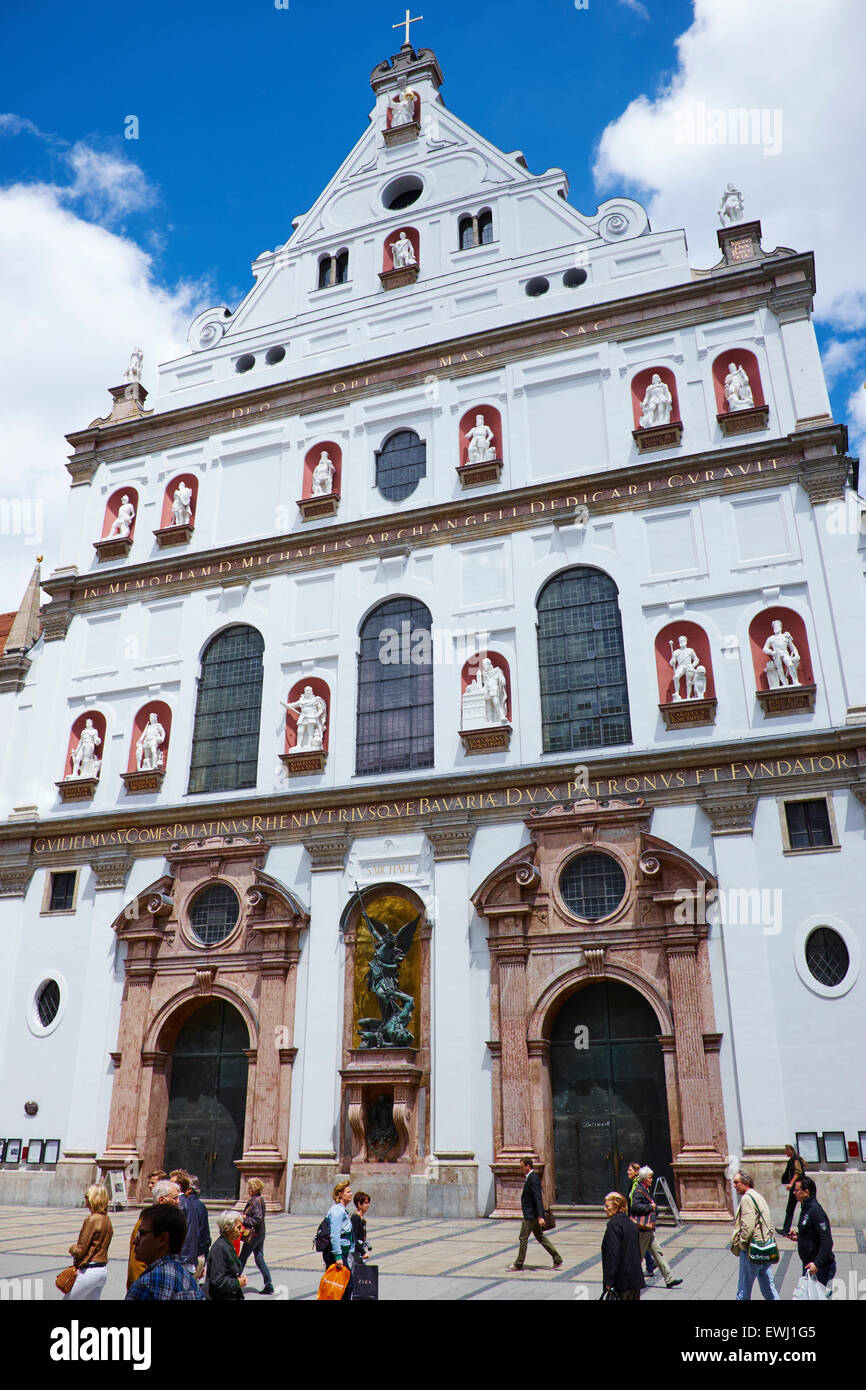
(400, 464)
(581, 659)
(48, 1002)
(808, 824)
(214, 913)
(592, 886)
(827, 956)
(395, 698)
(62, 892)
(225, 746)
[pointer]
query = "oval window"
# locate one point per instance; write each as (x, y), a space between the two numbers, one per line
(214, 913)
(827, 957)
(592, 886)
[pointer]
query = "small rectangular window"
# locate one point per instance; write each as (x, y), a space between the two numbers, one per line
(808, 824)
(62, 893)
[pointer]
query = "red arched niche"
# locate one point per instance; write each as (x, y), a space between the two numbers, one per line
(416, 113)
(318, 687)
(493, 421)
(163, 715)
(75, 733)
(412, 234)
(473, 666)
(311, 458)
(743, 358)
(638, 390)
(191, 481)
(698, 640)
(112, 507)
(759, 630)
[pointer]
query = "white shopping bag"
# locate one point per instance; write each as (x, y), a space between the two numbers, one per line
(808, 1287)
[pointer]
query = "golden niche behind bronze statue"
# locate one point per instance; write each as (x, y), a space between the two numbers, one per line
(394, 912)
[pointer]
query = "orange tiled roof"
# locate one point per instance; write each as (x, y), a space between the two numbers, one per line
(6, 621)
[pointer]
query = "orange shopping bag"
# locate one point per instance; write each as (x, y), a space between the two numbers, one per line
(333, 1283)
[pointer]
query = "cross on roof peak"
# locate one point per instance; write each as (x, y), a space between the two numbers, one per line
(406, 22)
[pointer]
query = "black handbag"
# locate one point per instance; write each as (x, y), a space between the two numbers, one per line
(609, 1296)
(365, 1282)
(549, 1219)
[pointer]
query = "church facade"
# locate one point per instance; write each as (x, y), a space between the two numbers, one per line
(446, 738)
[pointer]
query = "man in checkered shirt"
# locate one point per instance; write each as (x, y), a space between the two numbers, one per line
(158, 1245)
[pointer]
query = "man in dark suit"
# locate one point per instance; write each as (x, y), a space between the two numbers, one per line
(813, 1234)
(532, 1206)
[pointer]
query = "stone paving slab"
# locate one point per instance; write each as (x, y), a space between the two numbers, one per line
(419, 1261)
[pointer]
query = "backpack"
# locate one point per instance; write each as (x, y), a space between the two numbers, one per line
(322, 1238)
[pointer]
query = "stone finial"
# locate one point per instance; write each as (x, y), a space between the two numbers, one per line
(406, 69)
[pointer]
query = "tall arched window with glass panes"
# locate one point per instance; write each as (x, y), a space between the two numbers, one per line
(581, 662)
(395, 688)
(225, 742)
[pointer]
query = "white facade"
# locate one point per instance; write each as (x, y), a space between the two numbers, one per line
(698, 547)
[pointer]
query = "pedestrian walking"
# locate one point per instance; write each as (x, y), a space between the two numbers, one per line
(620, 1252)
(204, 1239)
(224, 1281)
(632, 1171)
(90, 1251)
(342, 1249)
(814, 1236)
(359, 1225)
(159, 1242)
(752, 1224)
(532, 1207)
(197, 1240)
(254, 1232)
(795, 1169)
(134, 1268)
(643, 1213)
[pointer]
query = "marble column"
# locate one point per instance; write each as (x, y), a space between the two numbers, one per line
(123, 1120)
(451, 1069)
(516, 1129)
(321, 1051)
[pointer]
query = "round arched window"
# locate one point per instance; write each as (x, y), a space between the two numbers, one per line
(214, 913)
(400, 465)
(592, 886)
(48, 1002)
(827, 956)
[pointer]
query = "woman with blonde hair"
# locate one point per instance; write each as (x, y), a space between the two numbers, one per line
(90, 1251)
(254, 1231)
(342, 1250)
(620, 1253)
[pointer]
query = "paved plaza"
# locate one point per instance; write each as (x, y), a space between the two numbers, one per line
(419, 1260)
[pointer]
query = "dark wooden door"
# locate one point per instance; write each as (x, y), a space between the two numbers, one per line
(609, 1096)
(207, 1099)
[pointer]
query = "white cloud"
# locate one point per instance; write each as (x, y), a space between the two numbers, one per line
(637, 7)
(800, 67)
(107, 186)
(77, 298)
(839, 357)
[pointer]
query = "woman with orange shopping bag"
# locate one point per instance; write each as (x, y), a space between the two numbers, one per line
(341, 1255)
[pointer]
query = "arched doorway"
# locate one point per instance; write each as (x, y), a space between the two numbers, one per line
(609, 1096)
(207, 1098)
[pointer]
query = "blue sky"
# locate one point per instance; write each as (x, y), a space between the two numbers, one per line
(245, 110)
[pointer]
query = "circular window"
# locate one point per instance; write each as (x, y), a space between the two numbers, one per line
(827, 957)
(245, 363)
(274, 355)
(214, 913)
(592, 886)
(573, 277)
(538, 285)
(402, 192)
(47, 1002)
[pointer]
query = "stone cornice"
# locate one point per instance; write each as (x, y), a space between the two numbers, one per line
(708, 473)
(451, 839)
(659, 311)
(325, 821)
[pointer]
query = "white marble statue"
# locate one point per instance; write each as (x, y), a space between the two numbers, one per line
(781, 669)
(323, 476)
(122, 524)
(480, 440)
(181, 508)
(148, 749)
(686, 666)
(731, 207)
(85, 763)
(738, 391)
(402, 107)
(402, 252)
(312, 715)
(657, 404)
(133, 371)
(485, 699)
